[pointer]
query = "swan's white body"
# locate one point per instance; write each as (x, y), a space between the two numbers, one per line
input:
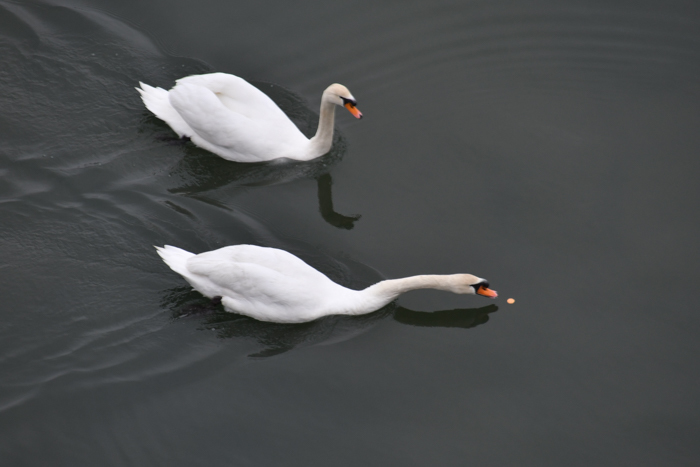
(273, 285)
(228, 116)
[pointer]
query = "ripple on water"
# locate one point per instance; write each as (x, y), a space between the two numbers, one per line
(86, 176)
(73, 164)
(477, 49)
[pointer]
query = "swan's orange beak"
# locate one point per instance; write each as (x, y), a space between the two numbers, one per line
(353, 110)
(486, 292)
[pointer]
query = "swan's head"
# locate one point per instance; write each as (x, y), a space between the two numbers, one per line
(469, 284)
(340, 95)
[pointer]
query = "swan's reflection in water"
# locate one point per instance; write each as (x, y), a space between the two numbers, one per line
(459, 318)
(200, 171)
(325, 205)
(277, 338)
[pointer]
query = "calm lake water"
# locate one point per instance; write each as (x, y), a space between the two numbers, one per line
(549, 146)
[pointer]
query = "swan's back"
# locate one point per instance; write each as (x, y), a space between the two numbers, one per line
(240, 96)
(234, 119)
(265, 283)
(272, 259)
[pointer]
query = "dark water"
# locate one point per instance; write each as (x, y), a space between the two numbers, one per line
(551, 147)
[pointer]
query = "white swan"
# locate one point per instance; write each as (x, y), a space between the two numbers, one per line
(273, 285)
(230, 117)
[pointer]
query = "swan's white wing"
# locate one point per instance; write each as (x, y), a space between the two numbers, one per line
(265, 283)
(239, 96)
(219, 129)
(276, 261)
(204, 113)
(252, 282)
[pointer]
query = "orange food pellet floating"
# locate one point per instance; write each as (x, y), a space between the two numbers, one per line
(511, 301)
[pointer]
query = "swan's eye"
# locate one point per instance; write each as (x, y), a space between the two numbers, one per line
(352, 102)
(484, 284)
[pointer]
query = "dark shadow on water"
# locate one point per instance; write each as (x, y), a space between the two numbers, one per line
(200, 171)
(276, 338)
(325, 205)
(458, 318)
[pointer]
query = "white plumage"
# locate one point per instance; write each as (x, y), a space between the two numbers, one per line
(228, 116)
(274, 285)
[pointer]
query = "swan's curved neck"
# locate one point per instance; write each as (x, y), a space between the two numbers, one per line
(378, 295)
(321, 143)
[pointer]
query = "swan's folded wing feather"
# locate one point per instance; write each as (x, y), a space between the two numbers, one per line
(262, 275)
(238, 95)
(272, 259)
(278, 260)
(220, 127)
(207, 116)
(254, 284)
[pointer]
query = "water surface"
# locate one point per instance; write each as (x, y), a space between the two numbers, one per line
(550, 147)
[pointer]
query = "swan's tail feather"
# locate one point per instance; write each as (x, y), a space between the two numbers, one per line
(157, 101)
(176, 258)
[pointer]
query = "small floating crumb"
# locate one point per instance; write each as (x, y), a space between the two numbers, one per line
(511, 301)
